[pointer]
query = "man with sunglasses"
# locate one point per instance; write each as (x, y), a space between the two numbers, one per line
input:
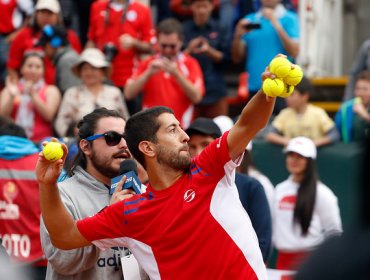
(101, 149)
(170, 78)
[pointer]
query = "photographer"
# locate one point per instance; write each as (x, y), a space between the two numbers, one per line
(208, 42)
(124, 32)
(170, 78)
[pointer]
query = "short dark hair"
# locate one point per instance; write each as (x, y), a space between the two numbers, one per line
(305, 86)
(143, 126)
(169, 26)
(363, 75)
(10, 128)
(87, 127)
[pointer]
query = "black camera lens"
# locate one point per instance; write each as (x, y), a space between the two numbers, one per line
(110, 51)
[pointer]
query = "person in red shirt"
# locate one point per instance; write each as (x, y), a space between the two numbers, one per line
(30, 101)
(14, 14)
(47, 12)
(170, 78)
(122, 29)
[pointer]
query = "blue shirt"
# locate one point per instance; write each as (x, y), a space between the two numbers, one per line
(218, 38)
(264, 44)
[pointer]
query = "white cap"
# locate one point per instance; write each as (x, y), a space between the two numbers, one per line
(225, 123)
(303, 146)
(94, 57)
(50, 5)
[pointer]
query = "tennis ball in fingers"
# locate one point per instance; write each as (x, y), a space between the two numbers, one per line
(280, 67)
(288, 89)
(294, 76)
(273, 87)
(53, 151)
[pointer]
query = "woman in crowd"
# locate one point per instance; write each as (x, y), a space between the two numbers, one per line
(92, 69)
(46, 12)
(31, 102)
(305, 211)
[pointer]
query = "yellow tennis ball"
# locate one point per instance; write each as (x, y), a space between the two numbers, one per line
(273, 87)
(294, 76)
(280, 66)
(288, 89)
(53, 151)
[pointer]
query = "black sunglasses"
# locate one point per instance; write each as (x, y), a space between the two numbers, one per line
(112, 138)
(171, 46)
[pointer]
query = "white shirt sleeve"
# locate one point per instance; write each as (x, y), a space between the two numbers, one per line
(328, 211)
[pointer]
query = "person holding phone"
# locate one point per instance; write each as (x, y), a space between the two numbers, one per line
(265, 33)
(169, 78)
(208, 42)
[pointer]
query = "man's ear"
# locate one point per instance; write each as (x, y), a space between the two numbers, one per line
(85, 147)
(147, 148)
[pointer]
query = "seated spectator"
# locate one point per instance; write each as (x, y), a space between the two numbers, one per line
(22, 12)
(78, 101)
(202, 132)
(305, 211)
(47, 12)
(56, 47)
(207, 42)
(360, 64)
(31, 102)
(169, 78)
(353, 117)
(302, 119)
(19, 200)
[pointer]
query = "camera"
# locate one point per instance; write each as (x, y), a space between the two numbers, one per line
(110, 51)
(251, 25)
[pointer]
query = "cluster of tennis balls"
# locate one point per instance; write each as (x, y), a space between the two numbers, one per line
(288, 75)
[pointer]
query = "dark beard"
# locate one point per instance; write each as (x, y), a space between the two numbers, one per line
(103, 167)
(173, 159)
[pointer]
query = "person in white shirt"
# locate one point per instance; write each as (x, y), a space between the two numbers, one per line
(305, 211)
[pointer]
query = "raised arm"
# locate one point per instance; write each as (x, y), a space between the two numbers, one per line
(59, 223)
(254, 117)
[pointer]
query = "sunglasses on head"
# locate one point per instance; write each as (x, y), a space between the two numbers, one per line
(112, 138)
(171, 46)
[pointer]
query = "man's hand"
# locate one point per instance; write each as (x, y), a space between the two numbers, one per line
(240, 28)
(203, 47)
(47, 172)
(120, 194)
(194, 45)
(127, 41)
(169, 66)
(155, 66)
